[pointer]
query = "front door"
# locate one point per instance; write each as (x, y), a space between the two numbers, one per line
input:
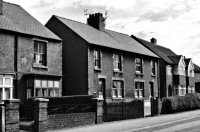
(102, 87)
(151, 89)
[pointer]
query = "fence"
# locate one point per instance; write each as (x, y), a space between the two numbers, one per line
(60, 112)
(123, 110)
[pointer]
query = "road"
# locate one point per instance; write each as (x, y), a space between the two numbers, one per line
(180, 122)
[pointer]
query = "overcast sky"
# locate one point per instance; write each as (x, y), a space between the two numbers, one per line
(174, 23)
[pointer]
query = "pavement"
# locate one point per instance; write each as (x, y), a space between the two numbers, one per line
(183, 122)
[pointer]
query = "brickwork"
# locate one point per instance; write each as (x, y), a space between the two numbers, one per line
(128, 74)
(58, 121)
(40, 115)
(11, 115)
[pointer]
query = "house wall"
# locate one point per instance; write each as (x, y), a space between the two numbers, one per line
(6, 52)
(163, 78)
(128, 73)
(179, 80)
(75, 71)
(23, 57)
(197, 82)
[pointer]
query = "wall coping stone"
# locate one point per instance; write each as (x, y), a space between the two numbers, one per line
(7, 101)
(41, 99)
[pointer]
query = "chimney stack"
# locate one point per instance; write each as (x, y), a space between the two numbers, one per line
(1, 7)
(153, 40)
(97, 21)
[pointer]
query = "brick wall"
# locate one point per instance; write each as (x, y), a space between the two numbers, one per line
(128, 74)
(58, 121)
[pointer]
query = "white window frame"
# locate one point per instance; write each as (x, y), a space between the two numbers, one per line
(153, 67)
(138, 65)
(3, 86)
(117, 63)
(117, 89)
(40, 55)
(138, 91)
(97, 59)
(43, 88)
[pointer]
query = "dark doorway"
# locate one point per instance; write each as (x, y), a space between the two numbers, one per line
(169, 90)
(151, 88)
(102, 88)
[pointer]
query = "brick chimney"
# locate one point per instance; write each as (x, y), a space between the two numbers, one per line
(1, 7)
(153, 40)
(97, 21)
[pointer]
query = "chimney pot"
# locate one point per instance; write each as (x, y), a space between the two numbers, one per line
(153, 40)
(97, 21)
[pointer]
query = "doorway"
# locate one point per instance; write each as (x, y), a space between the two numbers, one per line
(151, 88)
(102, 88)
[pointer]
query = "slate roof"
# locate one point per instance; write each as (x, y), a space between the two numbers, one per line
(196, 68)
(105, 37)
(161, 51)
(16, 19)
(175, 58)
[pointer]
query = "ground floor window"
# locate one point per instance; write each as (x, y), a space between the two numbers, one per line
(191, 89)
(42, 88)
(6, 87)
(180, 90)
(118, 89)
(139, 89)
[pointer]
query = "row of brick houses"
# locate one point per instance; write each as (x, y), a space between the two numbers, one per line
(66, 57)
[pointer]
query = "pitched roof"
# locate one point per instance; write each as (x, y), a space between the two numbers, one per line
(16, 19)
(105, 37)
(161, 51)
(175, 58)
(187, 61)
(196, 68)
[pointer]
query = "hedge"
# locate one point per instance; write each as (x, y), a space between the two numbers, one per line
(180, 103)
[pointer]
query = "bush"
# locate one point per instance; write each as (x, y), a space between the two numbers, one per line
(180, 103)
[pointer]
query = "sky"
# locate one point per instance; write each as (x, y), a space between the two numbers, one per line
(174, 23)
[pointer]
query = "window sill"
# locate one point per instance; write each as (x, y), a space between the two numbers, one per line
(97, 69)
(118, 98)
(139, 73)
(39, 66)
(153, 75)
(117, 71)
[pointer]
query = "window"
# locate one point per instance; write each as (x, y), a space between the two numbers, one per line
(191, 89)
(169, 70)
(40, 52)
(6, 86)
(43, 88)
(138, 65)
(118, 89)
(97, 59)
(180, 90)
(153, 67)
(139, 89)
(117, 62)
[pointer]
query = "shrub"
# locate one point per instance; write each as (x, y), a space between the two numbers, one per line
(180, 103)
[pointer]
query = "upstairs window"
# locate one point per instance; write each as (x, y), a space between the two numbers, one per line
(153, 67)
(117, 62)
(40, 52)
(138, 65)
(97, 59)
(169, 70)
(118, 89)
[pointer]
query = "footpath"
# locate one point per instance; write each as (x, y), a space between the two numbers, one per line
(138, 124)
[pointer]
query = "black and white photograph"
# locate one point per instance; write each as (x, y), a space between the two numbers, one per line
(99, 66)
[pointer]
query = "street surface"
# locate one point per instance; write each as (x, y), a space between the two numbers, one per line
(180, 122)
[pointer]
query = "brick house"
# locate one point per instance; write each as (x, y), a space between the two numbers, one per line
(176, 72)
(30, 56)
(105, 63)
(190, 75)
(197, 78)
